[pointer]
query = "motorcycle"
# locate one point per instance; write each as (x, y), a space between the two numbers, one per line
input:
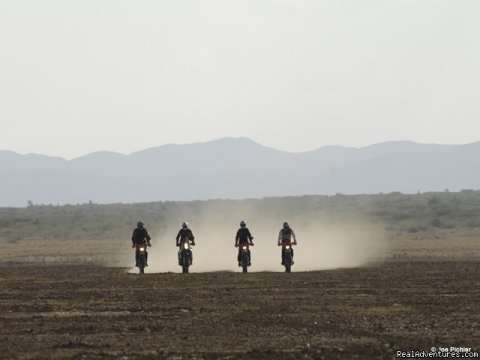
(185, 256)
(288, 256)
(245, 256)
(141, 257)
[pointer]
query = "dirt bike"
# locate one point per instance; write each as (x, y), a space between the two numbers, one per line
(288, 256)
(141, 257)
(185, 256)
(245, 256)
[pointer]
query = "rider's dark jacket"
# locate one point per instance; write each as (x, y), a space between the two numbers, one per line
(183, 235)
(140, 236)
(243, 236)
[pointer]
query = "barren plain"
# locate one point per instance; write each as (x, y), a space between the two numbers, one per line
(422, 294)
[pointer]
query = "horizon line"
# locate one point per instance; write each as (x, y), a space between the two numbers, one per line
(233, 138)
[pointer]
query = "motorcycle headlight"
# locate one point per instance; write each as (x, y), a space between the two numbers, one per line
(287, 247)
(142, 249)
(244, 248)
(185, 246)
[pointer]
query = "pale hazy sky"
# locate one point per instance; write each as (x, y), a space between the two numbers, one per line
(86, 75)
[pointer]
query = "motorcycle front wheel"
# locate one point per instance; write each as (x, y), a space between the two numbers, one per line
(245, 264)
(185, 263)
(141, 265)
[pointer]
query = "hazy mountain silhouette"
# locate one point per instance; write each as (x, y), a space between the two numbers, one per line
(236, 168)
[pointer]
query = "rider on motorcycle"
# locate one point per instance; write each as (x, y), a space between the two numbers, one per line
(243, 237)
(140, 236)
(185, 234)
(285, 237)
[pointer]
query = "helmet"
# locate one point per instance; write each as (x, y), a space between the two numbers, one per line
(184, 225)
(285, 225)
(242, 223)
(140, 225)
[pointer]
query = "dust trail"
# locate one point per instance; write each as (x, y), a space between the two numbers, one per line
(322, 243)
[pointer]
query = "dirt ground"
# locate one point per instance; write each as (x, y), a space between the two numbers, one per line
(91, 312)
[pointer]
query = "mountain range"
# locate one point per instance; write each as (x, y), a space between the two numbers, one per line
(235, 168)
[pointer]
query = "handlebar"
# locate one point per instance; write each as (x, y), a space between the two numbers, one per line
(138, 245)
(180, 244)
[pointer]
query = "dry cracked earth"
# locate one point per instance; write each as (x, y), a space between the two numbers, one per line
(90, 312)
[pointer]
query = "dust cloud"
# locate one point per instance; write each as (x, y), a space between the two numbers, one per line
(323, 243)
